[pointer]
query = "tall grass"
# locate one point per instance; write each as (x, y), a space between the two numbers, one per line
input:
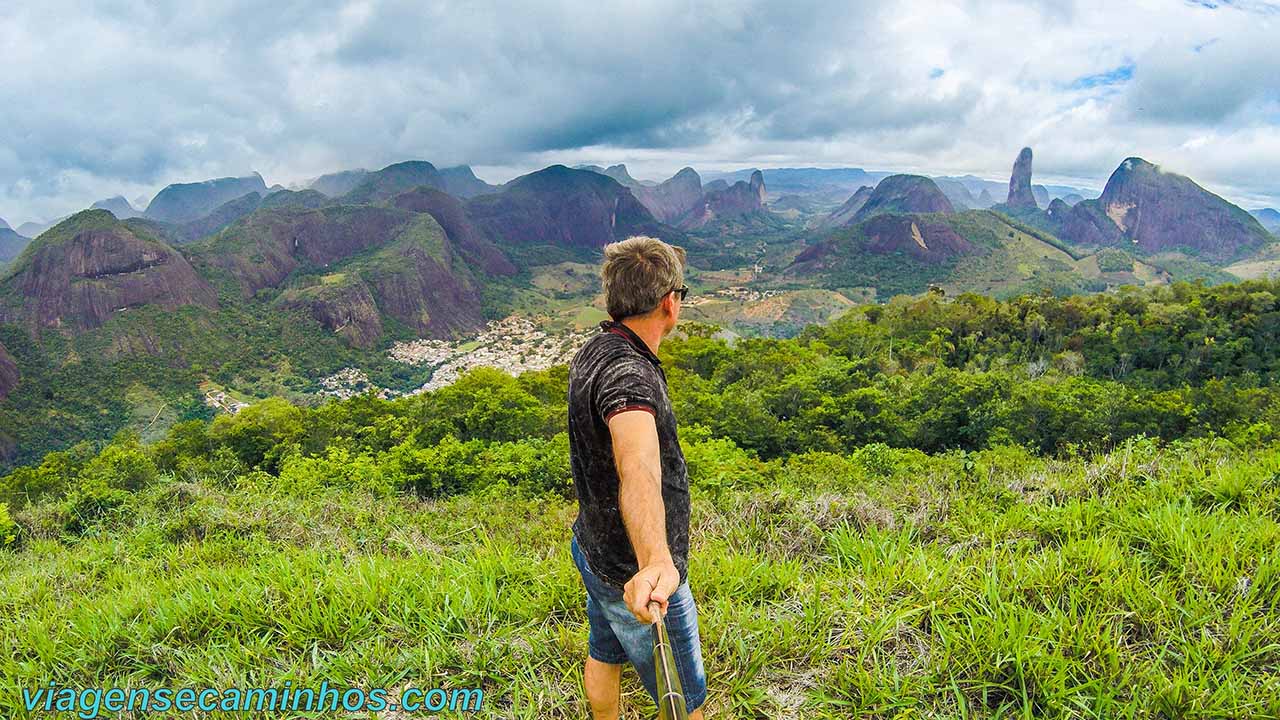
(1144, 583)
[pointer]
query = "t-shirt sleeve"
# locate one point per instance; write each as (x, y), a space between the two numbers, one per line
(629, 384)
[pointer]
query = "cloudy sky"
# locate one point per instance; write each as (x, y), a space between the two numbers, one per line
(127, 96)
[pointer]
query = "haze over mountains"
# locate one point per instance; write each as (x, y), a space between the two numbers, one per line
(1269, 217)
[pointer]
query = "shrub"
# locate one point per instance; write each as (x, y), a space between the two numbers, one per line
(185, 441)
(51, 478)
(260, 434)
(535, 465)
(339, 467)
(89, 503)
(718, 464)
(123, 464)
(485, 404)
(8, 528)
(876, 458)
(449, 467)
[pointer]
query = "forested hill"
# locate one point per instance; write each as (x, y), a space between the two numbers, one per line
(1057, 375)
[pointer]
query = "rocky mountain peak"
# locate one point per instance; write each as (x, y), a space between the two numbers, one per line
(671, 199)
(92, 265)
(905, 194)
(1020, 192)
(183, 202)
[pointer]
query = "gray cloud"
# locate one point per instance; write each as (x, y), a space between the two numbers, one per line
(127, 96)
(1207, 84)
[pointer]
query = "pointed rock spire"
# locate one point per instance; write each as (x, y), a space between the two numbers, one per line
(1020, 193)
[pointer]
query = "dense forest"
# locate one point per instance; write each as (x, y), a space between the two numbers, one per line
(1057, 375)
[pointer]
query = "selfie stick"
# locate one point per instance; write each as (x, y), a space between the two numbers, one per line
(671, 705)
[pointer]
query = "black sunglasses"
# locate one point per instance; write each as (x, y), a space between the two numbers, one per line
(683, 290)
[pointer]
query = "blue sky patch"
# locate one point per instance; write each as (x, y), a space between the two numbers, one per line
(1124, 73)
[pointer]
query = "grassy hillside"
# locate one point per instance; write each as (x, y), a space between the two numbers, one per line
(956, 507)
(1137, 583)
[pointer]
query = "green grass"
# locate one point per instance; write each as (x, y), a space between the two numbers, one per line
(886, 583)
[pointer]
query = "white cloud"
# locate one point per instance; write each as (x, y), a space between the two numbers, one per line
(125, 97)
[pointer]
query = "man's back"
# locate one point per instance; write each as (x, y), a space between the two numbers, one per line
(612, 372)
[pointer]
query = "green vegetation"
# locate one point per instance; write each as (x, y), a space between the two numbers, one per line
(1030, 221)
(1112, 260)
(1183, 267)
(1013, 258)
(939, 507)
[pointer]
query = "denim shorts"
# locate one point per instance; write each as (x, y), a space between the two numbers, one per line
(616, 636)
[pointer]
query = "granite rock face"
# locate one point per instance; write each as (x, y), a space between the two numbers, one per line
(339, 183)
(395, 179)
(575, 209)
(756, 184)
(1269, 218)
(347, 309)
(930, 242)
(262, 249)
(673, 198)
(423, 284)
(957, 193)
(845, 214)
(620, 173)
(90, 266)
(11, 244)
(1058, 208)
(736, 200)
(465, 236)
(9, 375)
(371, 261)
(1151, 210)
(1158, 210)
(222, 216)
(1041, 194)
(117, 206)
(461, 181)
(904, 194)
(1020, 193)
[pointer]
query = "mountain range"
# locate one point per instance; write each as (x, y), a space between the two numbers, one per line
(11, 243)
(1269, 218)
(252, 286)
(1146, 209)
(459, 181)
(834, 185)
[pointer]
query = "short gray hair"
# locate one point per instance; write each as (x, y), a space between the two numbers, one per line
(638, 272)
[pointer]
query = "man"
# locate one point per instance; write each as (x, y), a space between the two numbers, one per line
(631, 537)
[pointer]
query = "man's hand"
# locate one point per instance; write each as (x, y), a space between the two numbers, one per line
(654, 583)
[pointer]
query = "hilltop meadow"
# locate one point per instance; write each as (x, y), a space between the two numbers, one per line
(952, 507)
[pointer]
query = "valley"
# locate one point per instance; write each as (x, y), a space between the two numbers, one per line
(399, 281)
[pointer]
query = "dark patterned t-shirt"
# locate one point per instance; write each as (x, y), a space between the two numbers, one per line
(612, 372)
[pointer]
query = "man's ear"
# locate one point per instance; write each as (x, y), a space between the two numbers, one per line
(669, 303)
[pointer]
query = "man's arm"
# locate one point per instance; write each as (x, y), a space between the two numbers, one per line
(638, 460)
